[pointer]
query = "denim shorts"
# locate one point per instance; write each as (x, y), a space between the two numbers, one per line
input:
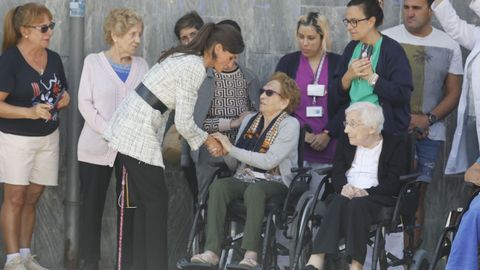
(426, 154)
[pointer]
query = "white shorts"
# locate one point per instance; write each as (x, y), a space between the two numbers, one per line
(25, 159)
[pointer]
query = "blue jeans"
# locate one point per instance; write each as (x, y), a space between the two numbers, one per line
(426, 154)
(464, 253)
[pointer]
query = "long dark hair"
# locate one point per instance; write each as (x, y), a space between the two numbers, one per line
(208, 36)
(371, 8)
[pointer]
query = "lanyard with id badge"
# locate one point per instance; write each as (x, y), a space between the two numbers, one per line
(315, 90)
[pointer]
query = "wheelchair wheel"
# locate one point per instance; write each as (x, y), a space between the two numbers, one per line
(443, 247)
(301, 232)
(198, 241)
(269, 260)
(420, 260)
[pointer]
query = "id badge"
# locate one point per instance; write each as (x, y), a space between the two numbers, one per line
(314, 111)
(316, 90)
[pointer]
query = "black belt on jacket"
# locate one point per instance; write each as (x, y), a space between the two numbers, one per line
(150, 98)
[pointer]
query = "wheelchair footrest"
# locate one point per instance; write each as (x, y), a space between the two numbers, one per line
(185, 264)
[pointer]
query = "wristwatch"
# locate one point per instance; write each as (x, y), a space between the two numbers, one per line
(432, 118)
(373, 79)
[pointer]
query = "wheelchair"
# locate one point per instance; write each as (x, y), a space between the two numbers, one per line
(400, 218)
(444, 243)
(278, 214)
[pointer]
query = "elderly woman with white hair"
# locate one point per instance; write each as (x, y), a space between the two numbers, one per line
(365, 176)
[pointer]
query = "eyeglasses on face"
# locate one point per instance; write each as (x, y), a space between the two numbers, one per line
(353, 22)
(351, 124)
(42, 28)
(268, 92)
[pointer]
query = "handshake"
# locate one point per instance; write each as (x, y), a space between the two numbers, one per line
(218, 144)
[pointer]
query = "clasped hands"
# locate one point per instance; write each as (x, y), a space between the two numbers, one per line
(351, 192)
(317, 141)
(218, 144)
(360, 68)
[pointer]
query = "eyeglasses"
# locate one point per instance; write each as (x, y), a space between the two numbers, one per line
(353, 22)
(43, 28)
(268, 92)
(351, 124)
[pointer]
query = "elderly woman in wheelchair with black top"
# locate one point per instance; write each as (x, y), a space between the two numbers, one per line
(366, 171)
(263, 155)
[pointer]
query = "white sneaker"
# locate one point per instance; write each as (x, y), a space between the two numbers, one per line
(15, 264)
(32, 264)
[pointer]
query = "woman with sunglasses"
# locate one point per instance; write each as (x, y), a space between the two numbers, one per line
(374, 67)
(32, 90)
(319, 110)
(262, 158)
(107, 77)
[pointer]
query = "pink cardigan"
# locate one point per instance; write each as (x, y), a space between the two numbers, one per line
(100, 93)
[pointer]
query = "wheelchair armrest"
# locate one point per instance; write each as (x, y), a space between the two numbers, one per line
(324, 170)
(300, 170)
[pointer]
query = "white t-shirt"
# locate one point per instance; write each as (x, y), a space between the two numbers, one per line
(364, 171)
(439, 55)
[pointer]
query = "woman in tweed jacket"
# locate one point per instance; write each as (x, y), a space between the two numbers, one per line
(137, 127)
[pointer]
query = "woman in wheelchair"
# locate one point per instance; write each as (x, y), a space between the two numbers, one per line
(365, 177)
(264, 153)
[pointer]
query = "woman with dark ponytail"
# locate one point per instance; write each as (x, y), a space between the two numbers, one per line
(136, 130)
(32, 90)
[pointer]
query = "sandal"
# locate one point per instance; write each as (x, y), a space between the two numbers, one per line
(207, 257)
(248, 262)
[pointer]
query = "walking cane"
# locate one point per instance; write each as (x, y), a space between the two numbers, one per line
(122, 211)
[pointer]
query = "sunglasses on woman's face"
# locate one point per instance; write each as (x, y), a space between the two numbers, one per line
(42, 28)
(268, 92)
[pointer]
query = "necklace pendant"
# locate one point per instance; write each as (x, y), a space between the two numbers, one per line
(41, 72)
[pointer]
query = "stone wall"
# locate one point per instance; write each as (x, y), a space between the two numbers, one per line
(268, 27)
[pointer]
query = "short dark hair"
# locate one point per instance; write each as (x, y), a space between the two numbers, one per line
(371, 8)
(191, 19)
(232, 23)
(430, 2)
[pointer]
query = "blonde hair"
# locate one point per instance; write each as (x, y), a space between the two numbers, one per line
(20, 16)
(320, 24)
(119, 21)
(290, 90)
